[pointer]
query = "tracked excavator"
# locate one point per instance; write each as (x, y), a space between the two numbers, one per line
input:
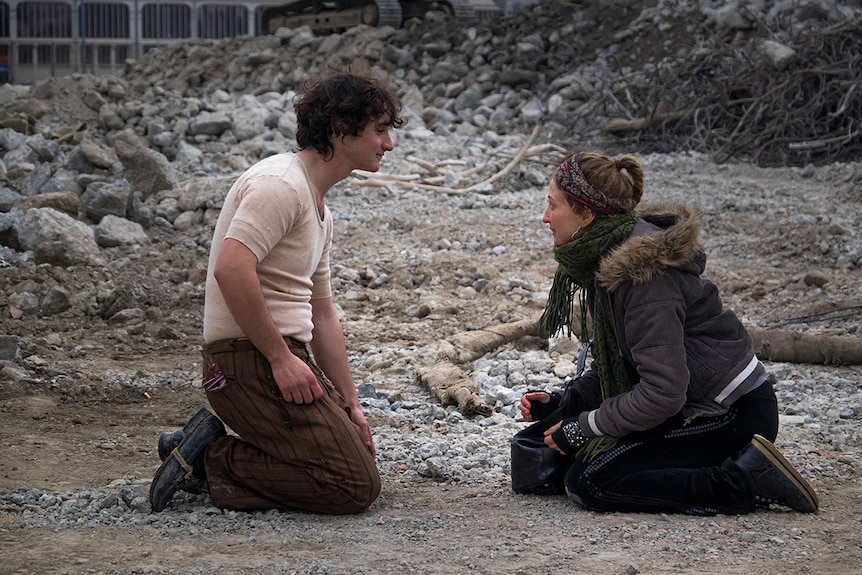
(325, 15)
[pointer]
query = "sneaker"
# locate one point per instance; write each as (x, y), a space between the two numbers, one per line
(176, 472)
(773, 479)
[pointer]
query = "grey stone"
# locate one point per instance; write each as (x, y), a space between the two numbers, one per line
(58, 239)
(115, 231)
(106, 198)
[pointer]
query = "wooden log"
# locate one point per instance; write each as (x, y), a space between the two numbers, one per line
(471, 345)
(445, 378)
(450, 386)
(380, 180)
(623, 125)
(798, 347)
(447, 383)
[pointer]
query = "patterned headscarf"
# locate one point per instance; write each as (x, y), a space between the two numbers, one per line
(571, 180)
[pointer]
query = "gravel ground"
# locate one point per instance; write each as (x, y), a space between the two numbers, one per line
(83, 395)
(79, 434)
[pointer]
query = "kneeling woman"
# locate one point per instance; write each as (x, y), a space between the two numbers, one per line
(675, 413)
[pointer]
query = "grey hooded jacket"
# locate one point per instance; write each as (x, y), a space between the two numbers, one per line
(692, 355)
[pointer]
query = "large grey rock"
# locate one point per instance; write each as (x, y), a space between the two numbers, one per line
(10, 139)
(97, 155)
(35, 179)
(147, 170)
(779, 54)
(21, 156)
(210, 124)
(62, 181)
(249, 120)
(67, 202)
(115, 231)
(198, 193)
(10, 223)
(106, 198)
(57, 300)
(8, 197)
(109, 117)
(188, 155)
(58, 239)
(46, 150)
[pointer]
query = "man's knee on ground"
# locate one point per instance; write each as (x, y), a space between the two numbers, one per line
(356, 498)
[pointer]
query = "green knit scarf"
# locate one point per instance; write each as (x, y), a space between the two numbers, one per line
(579, 262)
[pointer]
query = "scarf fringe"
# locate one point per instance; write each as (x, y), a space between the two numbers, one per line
(579, 261)
(559, 311)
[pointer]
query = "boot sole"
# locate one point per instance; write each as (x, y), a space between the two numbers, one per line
(771, 452)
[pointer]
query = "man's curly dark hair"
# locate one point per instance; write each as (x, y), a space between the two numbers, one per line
(341, 104)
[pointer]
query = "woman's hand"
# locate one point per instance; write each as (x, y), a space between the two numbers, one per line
(567, 437)
(549, 440)
(527, 400)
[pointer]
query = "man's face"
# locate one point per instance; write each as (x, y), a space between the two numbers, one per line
(365, 151)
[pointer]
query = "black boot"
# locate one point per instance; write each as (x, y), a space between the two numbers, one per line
(168, 440)
(177, 472)
(773, 479)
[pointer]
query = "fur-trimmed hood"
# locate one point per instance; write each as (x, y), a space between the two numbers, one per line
(665, 236)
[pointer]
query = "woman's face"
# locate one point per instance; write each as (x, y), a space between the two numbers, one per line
(561, 218)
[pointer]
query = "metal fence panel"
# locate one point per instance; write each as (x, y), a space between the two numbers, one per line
(44, 20)
(97, 36)
(166, 21)
(222, 21)
(105, 21)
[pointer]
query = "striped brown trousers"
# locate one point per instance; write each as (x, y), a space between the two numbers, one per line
(284, 455)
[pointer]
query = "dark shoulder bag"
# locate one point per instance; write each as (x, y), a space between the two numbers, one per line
(535, 467)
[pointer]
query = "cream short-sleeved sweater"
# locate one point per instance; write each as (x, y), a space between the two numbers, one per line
(272, 211)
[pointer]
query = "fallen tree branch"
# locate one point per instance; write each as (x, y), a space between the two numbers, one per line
(446, 380)
(435, 169)
(797, 347)
(410, 181)
(742, 106)
(471, 345)
(450, 386)
(388, 178)
(623, 125)
(511, 165)
(823, 143)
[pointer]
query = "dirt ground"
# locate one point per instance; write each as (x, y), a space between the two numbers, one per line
(96, 393)
(60, 443)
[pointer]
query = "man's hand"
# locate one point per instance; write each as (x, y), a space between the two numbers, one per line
(236, 274)
(359, 419)
(295, 380)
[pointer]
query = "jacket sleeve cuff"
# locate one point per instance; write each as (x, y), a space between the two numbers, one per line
(589, 427)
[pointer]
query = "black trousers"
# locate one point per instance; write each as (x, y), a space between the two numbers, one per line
(679, 467)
